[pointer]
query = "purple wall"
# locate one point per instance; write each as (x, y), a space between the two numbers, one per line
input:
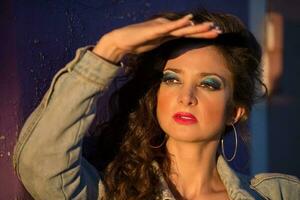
(9, 102)
(39, 37)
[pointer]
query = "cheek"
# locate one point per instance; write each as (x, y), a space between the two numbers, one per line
(214, 108)
(163, 102)
(167, 105)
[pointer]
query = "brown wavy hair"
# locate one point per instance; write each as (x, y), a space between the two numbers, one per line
(126, 140)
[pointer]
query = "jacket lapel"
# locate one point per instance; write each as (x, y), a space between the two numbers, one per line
(237, 186)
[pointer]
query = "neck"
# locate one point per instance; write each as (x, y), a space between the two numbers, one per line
(193, 167)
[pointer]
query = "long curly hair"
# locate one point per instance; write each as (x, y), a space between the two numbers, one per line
(125, 141)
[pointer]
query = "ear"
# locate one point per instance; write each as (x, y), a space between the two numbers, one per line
(237, 113)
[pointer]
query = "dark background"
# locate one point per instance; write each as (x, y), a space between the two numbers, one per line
(39, 37)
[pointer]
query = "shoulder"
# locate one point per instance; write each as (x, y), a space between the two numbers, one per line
(276, 185)
(274, 177)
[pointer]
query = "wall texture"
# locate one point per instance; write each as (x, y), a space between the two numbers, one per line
(39, 37)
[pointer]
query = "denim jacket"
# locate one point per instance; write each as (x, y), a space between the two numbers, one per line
(48, 158)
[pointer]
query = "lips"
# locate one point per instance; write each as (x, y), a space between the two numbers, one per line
(185, 118)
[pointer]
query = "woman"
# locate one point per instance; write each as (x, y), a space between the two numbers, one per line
(192, 79)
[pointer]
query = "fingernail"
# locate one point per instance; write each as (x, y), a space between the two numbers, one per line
(210, 24)
(215, 27)
(218, 29)
(189, 16)
(192, 23)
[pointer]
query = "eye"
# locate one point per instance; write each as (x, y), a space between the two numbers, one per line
(170, 77)
(211, 83)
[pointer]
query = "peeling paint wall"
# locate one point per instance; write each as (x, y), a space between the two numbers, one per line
(39, 37)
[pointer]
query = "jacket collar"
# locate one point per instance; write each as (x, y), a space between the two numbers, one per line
(237, 186)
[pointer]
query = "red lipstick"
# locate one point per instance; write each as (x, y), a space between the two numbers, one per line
(185, 118)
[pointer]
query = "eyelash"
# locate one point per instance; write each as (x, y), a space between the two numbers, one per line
(170, 80)
(209, 86)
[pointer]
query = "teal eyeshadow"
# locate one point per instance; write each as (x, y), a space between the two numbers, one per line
(168, 76)
(212, 82)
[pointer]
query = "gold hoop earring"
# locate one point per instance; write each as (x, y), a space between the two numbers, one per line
(159, 146)
(236, 146)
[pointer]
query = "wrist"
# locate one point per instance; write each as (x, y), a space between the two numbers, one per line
(106, 49)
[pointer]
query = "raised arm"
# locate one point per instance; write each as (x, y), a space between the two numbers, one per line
(48, 153)
(47, 156)
(145, 36)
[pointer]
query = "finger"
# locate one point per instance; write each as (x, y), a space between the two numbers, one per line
(208, 35)
(193, 29)
(153, 44)
(169, 26)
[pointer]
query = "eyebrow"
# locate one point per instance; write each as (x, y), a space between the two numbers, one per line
(202, 74)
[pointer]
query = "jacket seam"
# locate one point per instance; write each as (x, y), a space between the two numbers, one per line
(260, 193)
(25, 136)
(86, 78)
(274, 177)
(38, 113)
(76, 138)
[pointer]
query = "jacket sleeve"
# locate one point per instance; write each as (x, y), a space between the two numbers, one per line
(47, 155)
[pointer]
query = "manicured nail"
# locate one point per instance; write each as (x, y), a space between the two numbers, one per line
(215, 27)
(218, 29)
(192, 23)
(189, 16)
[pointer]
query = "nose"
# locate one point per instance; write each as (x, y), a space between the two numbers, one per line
(187, 96)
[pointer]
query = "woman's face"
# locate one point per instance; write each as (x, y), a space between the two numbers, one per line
(194, 96)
